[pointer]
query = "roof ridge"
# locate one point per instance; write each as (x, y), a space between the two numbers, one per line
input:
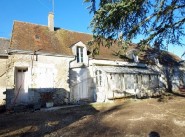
(30, 23)
(75, 31)
(54, 27)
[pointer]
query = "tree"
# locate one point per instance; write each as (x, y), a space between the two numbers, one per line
(159, 22)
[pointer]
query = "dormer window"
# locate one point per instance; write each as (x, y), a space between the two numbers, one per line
(79, 54)
(79, 50)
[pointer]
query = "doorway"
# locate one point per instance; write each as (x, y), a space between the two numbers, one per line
(21, 85)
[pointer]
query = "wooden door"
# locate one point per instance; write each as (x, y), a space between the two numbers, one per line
(21, 85)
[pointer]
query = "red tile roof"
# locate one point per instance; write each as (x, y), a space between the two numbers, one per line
(33, 37)
(4, 45)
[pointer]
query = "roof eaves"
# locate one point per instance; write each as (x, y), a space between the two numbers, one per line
(37, 53)
(3, 55)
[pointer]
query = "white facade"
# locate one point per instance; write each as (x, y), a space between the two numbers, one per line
(2, 80)
(79, 78)
(90, 80)
(28, 77)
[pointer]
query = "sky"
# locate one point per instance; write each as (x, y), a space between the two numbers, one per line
(69, 14)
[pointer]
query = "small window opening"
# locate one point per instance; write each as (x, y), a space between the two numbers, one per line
(22, 69)
(79, 54)
(98, 74)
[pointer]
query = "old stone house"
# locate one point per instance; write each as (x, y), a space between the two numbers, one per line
(4, 45)
(45, 59)
(182, 73)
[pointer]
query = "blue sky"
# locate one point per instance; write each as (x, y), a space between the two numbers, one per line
(71, 15)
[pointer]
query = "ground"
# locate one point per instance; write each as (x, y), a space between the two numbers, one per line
(123, 118)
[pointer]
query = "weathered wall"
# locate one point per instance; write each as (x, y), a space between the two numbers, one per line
(120, 83)
(182, 72)
(2, 79)
(45, 73)
(117, 85)
(81, 84)
(171, 74)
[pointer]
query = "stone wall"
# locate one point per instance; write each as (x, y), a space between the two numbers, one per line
(171, 74)
(2, 79)
(45, 74)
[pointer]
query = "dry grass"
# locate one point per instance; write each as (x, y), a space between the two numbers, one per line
(129, 118)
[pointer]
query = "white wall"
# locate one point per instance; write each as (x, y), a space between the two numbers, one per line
(2, 79)
(81, 84)
(46, 73)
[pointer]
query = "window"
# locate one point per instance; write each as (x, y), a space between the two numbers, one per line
(154, 83)
(145, 80)
(79, 54)
(130, 81)
(98, 74)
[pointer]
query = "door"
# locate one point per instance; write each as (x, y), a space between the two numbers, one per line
(82, 85)
(21, 85)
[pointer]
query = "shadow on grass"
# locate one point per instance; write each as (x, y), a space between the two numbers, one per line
(41, 123)
(83, 121)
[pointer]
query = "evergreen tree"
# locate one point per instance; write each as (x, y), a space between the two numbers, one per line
(159, 22)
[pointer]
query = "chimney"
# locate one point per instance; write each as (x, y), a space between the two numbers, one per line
(51, 21)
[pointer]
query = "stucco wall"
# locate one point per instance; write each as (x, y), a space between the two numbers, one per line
(2, 79)
(81, 84)
(169, 74)
(45, 73)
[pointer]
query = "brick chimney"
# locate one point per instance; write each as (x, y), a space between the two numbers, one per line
(51, 21)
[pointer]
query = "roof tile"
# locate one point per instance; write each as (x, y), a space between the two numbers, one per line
(4, 45)
(33, 37)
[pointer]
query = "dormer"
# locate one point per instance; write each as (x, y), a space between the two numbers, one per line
(80, 51)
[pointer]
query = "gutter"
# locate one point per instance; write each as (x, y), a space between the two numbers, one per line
(71, 61)
(36, 53)
(116, 63)
(3, 55)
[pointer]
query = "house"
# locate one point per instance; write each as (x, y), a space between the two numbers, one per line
(182, 76)
(45, 59)
(4, 45)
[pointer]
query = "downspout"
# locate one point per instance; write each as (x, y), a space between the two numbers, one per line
(69, 99)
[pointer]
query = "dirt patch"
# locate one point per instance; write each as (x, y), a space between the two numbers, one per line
(129, 118)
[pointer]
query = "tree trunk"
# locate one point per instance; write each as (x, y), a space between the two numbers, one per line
(168, 78)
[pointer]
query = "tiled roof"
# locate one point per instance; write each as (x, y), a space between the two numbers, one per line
(127, 70)
(164, 57)
(68, 38)
(4, 45)
(33, 37)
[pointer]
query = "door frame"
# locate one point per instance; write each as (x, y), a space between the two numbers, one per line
(19, 89)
